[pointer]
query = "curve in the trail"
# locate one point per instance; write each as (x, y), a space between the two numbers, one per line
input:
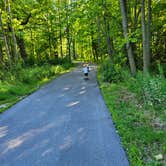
(65, 123)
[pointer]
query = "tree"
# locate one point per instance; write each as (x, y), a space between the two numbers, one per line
(91, 29)
(125, 32)
(13, 32)
(149, 23)
(146, 60)
(5, 42)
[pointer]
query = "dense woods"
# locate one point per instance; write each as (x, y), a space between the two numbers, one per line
(127, 38)
(131, 33)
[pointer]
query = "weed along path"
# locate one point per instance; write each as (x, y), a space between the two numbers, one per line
(65, 123)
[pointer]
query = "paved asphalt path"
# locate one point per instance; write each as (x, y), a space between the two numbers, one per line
(65, 123)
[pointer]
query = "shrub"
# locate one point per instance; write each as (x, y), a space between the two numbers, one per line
(154, 89)
(23, 80)
(111, 72)
(150, 89)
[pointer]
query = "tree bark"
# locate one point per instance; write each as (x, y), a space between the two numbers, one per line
(108, 40)
(94, 47)
(74, 51)
(61, 44)
(60, 31)
(21, 44)
(107, 30)
(1, 55)
(68, 43)
(5, 42)
(68, 37)
(125, 33)
(13, 33)
(99, 36)
(20, 39)
(149, 22)
(146, 60)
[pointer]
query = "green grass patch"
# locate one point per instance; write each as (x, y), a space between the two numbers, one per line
(141, 124)
(21, 82)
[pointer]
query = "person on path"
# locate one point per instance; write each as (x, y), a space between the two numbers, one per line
(85, 71)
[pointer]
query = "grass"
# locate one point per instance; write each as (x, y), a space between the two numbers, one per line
(141, 125)
(23, 81)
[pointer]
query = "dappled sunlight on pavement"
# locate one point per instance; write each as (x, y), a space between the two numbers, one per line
(64, 123)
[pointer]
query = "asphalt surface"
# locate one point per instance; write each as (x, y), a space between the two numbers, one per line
(64, 123)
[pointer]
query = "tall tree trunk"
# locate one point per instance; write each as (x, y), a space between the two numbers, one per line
(2, 64)
(21, 44)
(60, 30)
(74, 49)
(32, 37)
(137, 11)
(146, 60)
(50, 43)
(61, 45)
(68, 37)
(20, 39)
(13, 33)
(149, 22)
(68, 43)
(109, 41)
(125, 32)
(1, 54)
(107, 36)
(94, 48)
(99, 36)
(5, 42)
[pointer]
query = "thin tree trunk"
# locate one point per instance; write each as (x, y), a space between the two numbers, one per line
(13, 32)
(32, 44)
(125, 32)
(108, 40)
(68, 31)
(49, 40)
(149, 31)
(61, 45)
(1, 55)
(137, 11)
(98, 22)
(68, 43)
(99, 36)
(74, 51)
(20, 39)
(60, 31)
(21, 44)
(144, 39)
(5, 41)
(1, 58)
